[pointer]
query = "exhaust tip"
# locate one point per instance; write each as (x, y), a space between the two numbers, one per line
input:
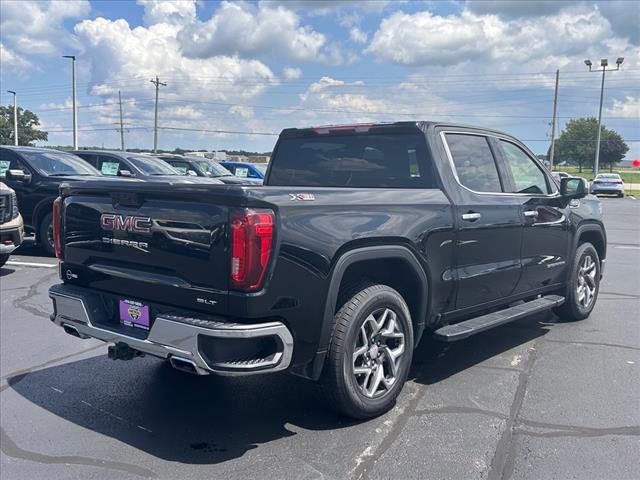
(71, 330)
(184, 365)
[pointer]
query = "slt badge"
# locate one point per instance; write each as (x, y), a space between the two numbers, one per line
(305, 197)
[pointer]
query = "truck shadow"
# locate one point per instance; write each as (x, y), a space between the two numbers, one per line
(208, 420)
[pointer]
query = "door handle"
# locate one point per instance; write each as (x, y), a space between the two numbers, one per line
(471, 217)
(531, 213)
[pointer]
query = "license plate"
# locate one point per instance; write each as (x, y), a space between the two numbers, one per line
(134, 314)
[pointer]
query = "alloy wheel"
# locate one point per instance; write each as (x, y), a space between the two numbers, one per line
(378, 353)
(586, 285)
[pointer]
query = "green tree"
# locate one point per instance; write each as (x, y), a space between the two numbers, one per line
(612, 149)
(577, 144)
(27, 123)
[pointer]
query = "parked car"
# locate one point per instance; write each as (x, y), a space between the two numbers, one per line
(35, 174)
(246, 169)
(364, 239)
(609, 183)
(11, 224)
(204, 167)
(124, 164)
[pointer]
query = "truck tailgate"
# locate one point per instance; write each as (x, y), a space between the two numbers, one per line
(153, 244)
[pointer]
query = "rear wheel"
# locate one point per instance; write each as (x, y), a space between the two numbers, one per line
(370, 352)
(46, 234)
(584, 284)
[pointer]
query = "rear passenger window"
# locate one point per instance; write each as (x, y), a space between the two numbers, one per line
(367, 160)
(528, 177)
(474, 163)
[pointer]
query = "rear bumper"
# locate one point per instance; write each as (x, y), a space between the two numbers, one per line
(204, 345)
(609, 189)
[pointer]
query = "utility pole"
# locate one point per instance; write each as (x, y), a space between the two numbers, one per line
(121, 124)
(553, 122)
(73, 93)
(157, 83)
(15, 118)
(603, 63)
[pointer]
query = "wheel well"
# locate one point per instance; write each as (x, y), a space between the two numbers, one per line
(39, 213)
(393, 272)
(595, 238)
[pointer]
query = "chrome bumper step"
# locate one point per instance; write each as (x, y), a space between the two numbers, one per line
(190, 343)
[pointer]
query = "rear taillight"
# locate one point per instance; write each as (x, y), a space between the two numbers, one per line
(57, 231)
(252, 232)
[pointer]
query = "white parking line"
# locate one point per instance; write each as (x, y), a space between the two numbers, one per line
(31, 264)
(629, 247)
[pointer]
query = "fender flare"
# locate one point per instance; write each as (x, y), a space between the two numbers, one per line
(591, 226)
(344, 261)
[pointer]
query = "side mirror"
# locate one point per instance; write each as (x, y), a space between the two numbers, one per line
(573, 187)
(18, 175)
(125, 173)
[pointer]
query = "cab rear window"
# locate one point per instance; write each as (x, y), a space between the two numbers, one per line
(359, 160)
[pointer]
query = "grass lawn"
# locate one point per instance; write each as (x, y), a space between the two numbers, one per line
(628, 176)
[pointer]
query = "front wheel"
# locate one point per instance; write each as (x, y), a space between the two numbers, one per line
(370, 352)
(46, 234)
(584, 284)
(3, 259)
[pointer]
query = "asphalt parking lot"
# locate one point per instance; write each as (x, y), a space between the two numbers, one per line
(537, 399)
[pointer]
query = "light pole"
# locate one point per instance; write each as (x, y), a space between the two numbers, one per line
(15, 118)
(73, 92)
(603, 63)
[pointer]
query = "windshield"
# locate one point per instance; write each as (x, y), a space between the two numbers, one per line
(152, 166)
(608, 176)
(261, 167)
(59, 163)
(213, 169)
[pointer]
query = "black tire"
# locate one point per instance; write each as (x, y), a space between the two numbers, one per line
(574, 307)
(3, 259)
(45, 234)
(621, 195)
(339, 381)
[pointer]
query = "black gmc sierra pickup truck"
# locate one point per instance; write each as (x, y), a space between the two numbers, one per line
(363, 239)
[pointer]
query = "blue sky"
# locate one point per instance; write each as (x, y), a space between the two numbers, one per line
(237, 72)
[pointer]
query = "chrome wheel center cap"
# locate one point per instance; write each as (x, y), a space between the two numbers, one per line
(374, 351)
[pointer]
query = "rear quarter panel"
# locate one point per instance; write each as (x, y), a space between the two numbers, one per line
(313, 234)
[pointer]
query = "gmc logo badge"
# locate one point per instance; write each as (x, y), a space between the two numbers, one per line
(125, 223)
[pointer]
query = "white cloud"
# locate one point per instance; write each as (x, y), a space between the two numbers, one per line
(327, 7)
(529, 8)
(248, 31)
(357, 35)
(163, 11)
(126, 58)
(623, 15)
(291, 73)
(628, 108)
(242, 110)
(331, 100)
(425, 38)
(36, 27)
(116, 50)
(13, 61)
